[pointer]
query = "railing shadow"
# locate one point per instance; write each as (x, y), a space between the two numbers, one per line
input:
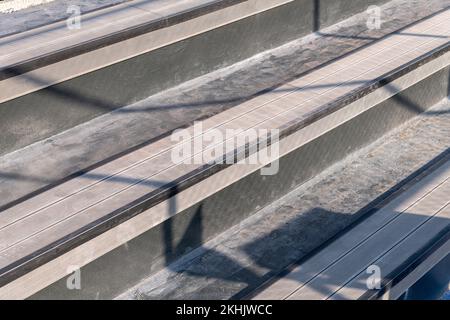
(271, 256)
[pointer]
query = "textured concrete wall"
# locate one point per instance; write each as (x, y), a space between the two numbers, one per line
(39, 115)
(148, 253)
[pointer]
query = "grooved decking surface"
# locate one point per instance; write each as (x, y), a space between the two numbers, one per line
(62, 210)
(386, 239)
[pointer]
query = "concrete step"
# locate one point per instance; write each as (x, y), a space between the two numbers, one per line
(57, 76)
(146, 198)
(267, 255)
(383, 255)
(21, 15)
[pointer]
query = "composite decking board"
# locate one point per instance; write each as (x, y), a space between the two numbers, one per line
(401, 252)
(93, 60)
(115, 201)
(311, 268)
(366, 253)
(248, 115)
(416, 268)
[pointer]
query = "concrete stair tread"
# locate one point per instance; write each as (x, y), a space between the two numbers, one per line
(88, 215)
(35, 14)
(26, 171)
(36, 43)
(388, 239)
(290, 242)
(148, 174)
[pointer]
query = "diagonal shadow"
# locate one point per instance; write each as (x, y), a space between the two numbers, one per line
(411, 105)
(85, 100)
(297, 240)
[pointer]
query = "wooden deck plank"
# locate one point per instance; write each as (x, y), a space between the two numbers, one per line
(313, 267)
(103, 44)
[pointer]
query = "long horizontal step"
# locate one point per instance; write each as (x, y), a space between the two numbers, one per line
(81, 208)
(259, 249)
(434, 232)
(39, 58)
(28, 170)
(55, 78)
(387, 239)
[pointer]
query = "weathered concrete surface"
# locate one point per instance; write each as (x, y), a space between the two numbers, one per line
(237, 261)
(50, 160)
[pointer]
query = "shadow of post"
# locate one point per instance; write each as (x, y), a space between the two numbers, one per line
(316, 16)
(174, 244)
